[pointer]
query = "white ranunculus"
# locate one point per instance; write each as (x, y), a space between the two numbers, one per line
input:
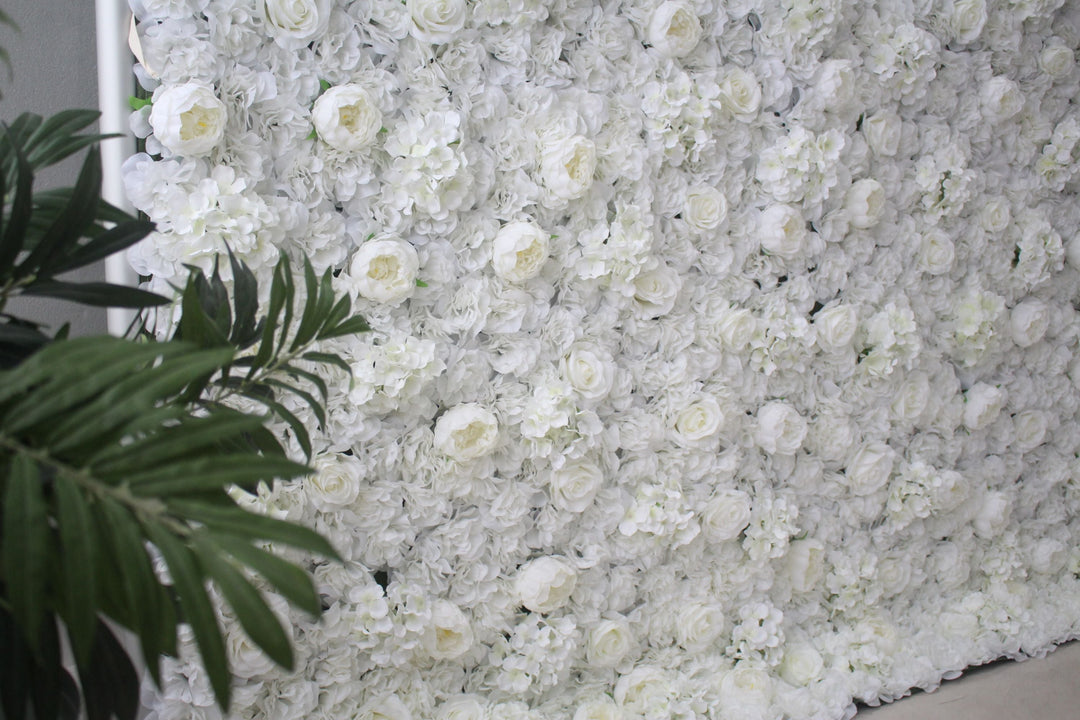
(982, 405)
(674, 28)
(782, 231)
(567, 167)
(836, 327)
(705, 208)
(574, 486)
(608, 642)
(725, 515)
(449, 635)
(1029, 321)
(936, 252)
(346, 118)
(189, 119)
(698, 421)
(805, 564)
(864, 203)
(698, 626)
(466, 432)
(1001, 98)
(545, 583)
(740, 93)
(869, 468)
(335, 482)
(967, 19)
(1057, 61)
(883, 131)
(655, 290)
(780, 428)
(589, 369)
(385, 270)
(295, 23)
(436, 21)
(1029, 428)
(519, 251)
(802, 664)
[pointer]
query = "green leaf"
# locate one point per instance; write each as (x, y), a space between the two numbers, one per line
(352, 326)
(327, 359)
(255, 616)
(235, 521)
(421, 283)
(283, 413)
(13, 240)
(324, 85)
(196, 323)
(63, 235)
(187, 576)
(78, 550)
(211, 473)
(26, 546)
(98, 294)
(111, 241)
(16, 665)
(47, 671)
(313, 300)
(311, 377)
(109, 683)
(136, 103)
(316, 407)
(288, 579)
(270, 325)
(245, 304)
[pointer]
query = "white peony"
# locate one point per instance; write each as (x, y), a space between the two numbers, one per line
(1001, 98)
(782, 231)
(449, 635)
(936, 252)
(883, 131)
(466, 432)
(188, 119)
(982, 405)
(436, 21)
(545, 584)
(864, 203)
(780, 428)
(384, 271)
(346, 118)
(674, 28)
(802, 664)
(1029, 321)
(1057, 61)
(805, 564)
(567, 167)
(519, 251)
(602, 708)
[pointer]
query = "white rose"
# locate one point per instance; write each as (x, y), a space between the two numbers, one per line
(590, 370)
(384, 707)
(698, 625)
(295, 23)
(869, 468)
(911, 397)
(737, 327)
(335, 482)
(740, 93)
(746, 691)
(1048, 555)
(346, 118)
(982, 404)
(188, 119)
(995, 215)
(463, 707)
(783, 231)
(449, 636)
(436, 21)
(780, 428)
(1029, 321)
(385, 270)
(864, 203)
(967, 19)
(836, 327)
(1057, 61)
(894, 573)
(602, 708)
(883, 131)
(699, 421)
(1001, 98)
(805, 564)
(725, 516)
(674, 28)
(1029, 427)
(466, 432)
(545, 584)
(705, 208)
(802, 664)
(574, 486)
(609, 641)
(993, 515)
(655, 290)
(936, 252)
(567, 167)
(519, 251)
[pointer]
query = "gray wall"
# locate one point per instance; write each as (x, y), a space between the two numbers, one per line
(54, 63)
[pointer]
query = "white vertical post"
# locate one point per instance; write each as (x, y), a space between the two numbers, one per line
(115, 86)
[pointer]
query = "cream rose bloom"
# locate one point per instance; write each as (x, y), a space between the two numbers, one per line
(463, 707)
(346, 118)
(295, 23)
(982, 405)
(608, 642)
(567, 167)
(545, 584)
(589, 369)
(780, 428)
(189, 119)
(699, 421)
(436, 21)
(805, 564)
(882, 131)
(574, 486)
(870, 468)
(656, 290)
(385, 270)
(740, 93)
(967, 19)
(1057, 61)
(449, 635)
(836, 328)
(1029, 321)
(466, 432)
(725, 515)
(783, 231)
(699, 625)
(936, 252)
(674, 28)
(802, 664)
(705, 208)
(602, 708)
(519, 251)
(335, 482)
(864, 203)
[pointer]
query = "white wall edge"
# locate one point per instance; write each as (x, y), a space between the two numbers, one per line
(115, 85)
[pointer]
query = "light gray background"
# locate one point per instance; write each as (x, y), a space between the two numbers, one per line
(54, 64)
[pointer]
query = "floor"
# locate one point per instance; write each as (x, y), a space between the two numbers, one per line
(1044, 689)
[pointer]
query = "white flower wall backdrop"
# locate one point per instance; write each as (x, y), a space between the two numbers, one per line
(724, 359)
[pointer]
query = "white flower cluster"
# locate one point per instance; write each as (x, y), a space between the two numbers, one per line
(723, 357)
